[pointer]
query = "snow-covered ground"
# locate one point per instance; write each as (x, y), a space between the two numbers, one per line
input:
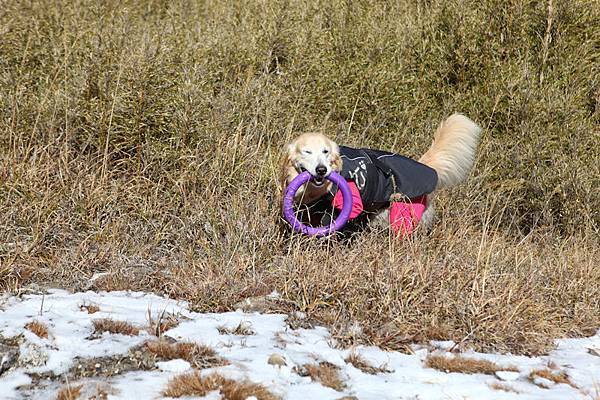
(35, 372)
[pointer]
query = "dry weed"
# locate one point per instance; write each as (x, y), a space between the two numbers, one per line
(505, 387)
(164, 322)
(90, 308)
(193, 384)
(325, 373)
(37, 327)
(113, 326)
(199, 356)
(359, 362)
(244, 328)
(69, 393)
(553, 376)
(464, 365)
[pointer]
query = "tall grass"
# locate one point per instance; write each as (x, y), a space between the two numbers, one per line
(142, 139)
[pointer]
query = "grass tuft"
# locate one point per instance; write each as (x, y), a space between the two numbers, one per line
(164, 322)
(244, 328)
(193, 384)
(90, 308)
(112, 326)
(69, 393)
(464, 365)
(504, 387)
(360, 363)
(553, 376)
(37, 327)
(199, 356)
(325, 373)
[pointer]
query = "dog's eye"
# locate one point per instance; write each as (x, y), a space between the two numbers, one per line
(307, 151)
(325, 151)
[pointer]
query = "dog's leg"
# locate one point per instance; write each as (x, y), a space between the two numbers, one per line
(429, 214)
(381, 220)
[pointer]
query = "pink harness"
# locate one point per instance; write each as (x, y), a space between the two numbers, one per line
(404, 216)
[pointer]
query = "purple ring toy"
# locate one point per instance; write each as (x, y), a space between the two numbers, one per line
(338, 223)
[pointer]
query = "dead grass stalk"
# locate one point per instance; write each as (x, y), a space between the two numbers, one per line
(37, 327)
(113, 326)
(464, 365)
(193, 384)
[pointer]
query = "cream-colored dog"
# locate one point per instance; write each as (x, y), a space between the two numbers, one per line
(451, 155)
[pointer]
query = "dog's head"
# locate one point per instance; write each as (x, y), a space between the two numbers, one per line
(312, 152)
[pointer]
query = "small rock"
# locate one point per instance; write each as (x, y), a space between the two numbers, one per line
(8, 357)
(594, 352)
(276, 359)
(507, 375)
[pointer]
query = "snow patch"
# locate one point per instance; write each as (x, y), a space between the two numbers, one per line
(270, 356)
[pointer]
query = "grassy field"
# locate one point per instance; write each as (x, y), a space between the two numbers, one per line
(141, 140)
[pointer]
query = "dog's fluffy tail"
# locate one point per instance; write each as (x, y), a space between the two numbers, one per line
(453, 150)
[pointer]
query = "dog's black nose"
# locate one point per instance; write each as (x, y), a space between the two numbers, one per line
(321, 170)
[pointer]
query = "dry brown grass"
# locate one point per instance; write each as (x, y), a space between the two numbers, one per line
(551, 375)
(359, 362)
(90, 308)
(113, 326)
(164, 322)
(325, 373)
(193, 384)
(504, 387)
(37, 327)
(155, 161)
(243, 329)
(199, 356)
(69, 393)
(464, 365)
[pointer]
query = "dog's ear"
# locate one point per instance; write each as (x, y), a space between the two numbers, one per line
(287, 165)
(336, 159)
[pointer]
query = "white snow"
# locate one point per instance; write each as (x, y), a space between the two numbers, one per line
(70, 328)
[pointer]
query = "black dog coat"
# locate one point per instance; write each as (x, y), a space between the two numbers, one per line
(379, 175)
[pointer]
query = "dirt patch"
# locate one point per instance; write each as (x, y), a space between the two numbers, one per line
(137, 359)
